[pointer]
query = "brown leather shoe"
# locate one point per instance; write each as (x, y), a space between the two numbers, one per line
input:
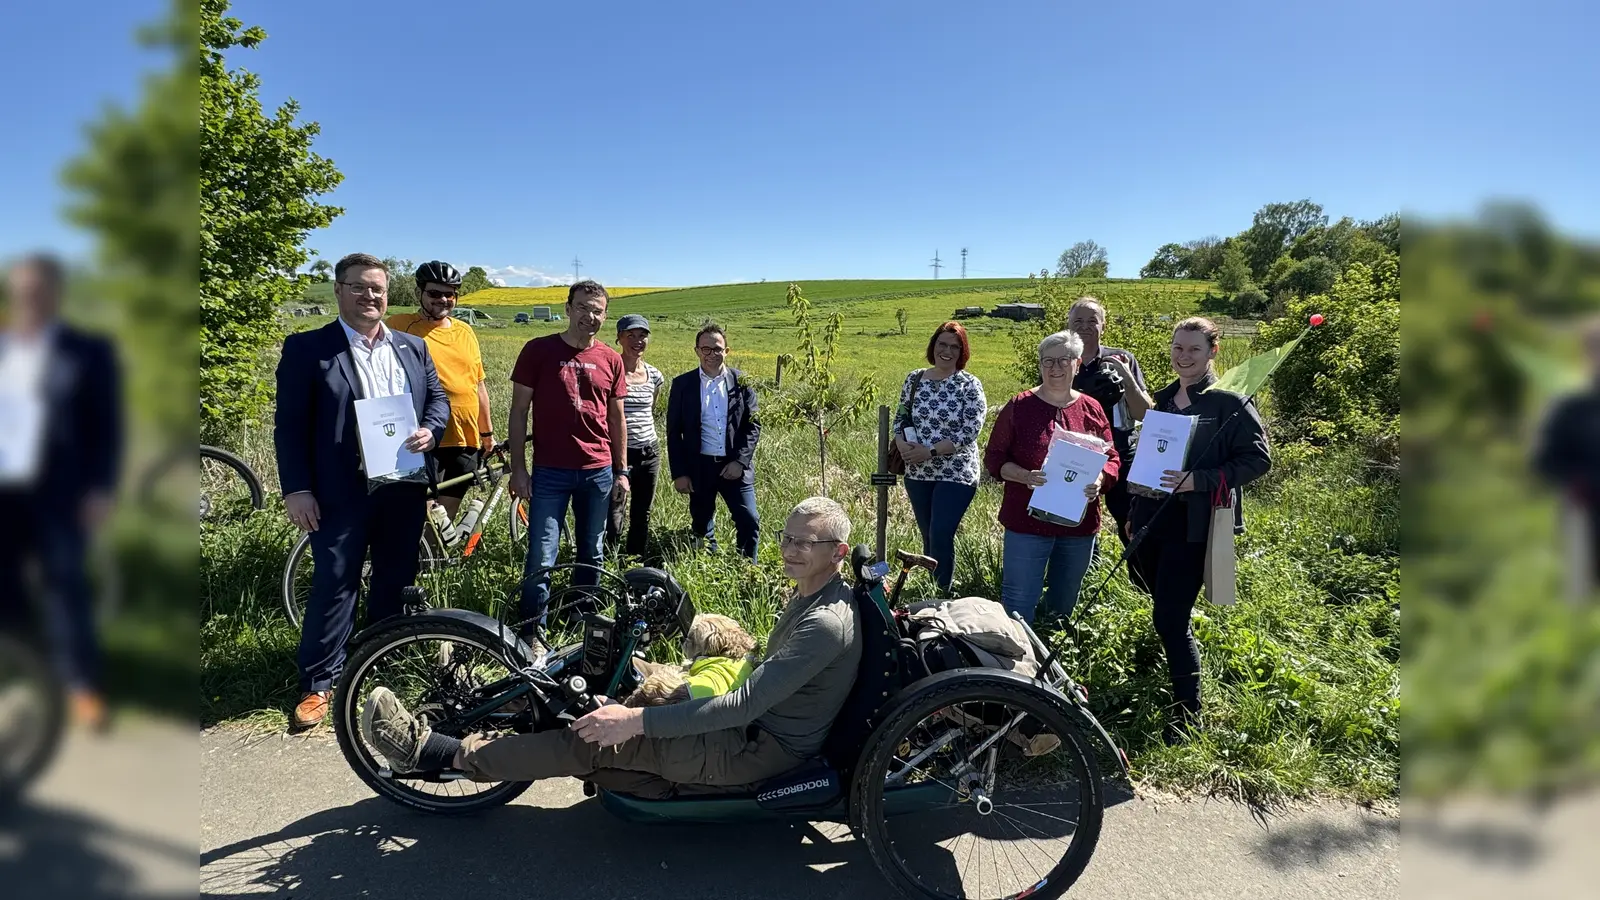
(89, 710)
(312, 710)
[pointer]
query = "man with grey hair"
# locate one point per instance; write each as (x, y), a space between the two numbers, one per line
(1111, 375)
(773, 723)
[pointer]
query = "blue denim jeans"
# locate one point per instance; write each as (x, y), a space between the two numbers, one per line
(1022, 573)
(589, 492)
(939, 507)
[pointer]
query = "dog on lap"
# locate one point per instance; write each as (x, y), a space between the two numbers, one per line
(719, 659)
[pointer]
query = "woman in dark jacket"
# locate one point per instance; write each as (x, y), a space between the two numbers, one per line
(1229, 446)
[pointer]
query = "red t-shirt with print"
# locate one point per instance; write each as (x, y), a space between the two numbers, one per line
(572, 394)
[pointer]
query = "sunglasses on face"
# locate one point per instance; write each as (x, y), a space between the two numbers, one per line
(439, 295)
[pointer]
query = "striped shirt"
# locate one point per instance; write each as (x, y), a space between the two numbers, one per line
(638, 408)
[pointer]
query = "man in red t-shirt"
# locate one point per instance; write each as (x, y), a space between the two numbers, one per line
(574, 385)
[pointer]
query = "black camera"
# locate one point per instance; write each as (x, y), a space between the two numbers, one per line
(1101, 381)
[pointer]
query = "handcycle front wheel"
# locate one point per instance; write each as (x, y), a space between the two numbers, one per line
(226, 482)
(297, 574)
(32, 716)
(436, 666)
(979, 785)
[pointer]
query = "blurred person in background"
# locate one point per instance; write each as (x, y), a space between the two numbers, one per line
(325, 490)
(453, 344)
(1016, 452)
(1568, 457)
(943, 407)
(644, 383)
(62, 418)
(1112, 376)
(1169, 560)
(712, 432)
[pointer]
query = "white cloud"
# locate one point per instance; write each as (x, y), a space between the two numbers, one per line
(524, 276)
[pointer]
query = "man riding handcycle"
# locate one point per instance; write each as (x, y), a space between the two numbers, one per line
(834, 724)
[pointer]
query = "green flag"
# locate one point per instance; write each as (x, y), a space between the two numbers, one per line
(1247, 377)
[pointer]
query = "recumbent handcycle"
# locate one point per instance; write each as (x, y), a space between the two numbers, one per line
(965, 782)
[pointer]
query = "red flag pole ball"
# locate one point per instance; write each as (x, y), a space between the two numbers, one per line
(1316, 319)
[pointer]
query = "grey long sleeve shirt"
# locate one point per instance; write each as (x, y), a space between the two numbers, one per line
(799, 687)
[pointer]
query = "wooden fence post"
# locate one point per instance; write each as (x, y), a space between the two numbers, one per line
(884, 480)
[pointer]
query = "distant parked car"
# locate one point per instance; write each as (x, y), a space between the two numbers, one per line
(472, 316)
(521, 319)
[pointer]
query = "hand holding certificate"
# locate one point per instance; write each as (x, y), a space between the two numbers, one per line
(1163, 446)
(1070, 467)
(385, 427)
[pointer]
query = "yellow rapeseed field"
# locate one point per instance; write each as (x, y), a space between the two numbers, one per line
(539, 296)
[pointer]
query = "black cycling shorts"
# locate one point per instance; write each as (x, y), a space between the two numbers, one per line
(454, 462)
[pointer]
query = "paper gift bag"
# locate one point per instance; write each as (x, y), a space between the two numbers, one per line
(1221, 572)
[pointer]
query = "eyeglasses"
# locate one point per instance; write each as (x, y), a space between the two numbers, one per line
(714, 351)
(1055, 362)
(439, 295)
(364, 290)
(787, 540)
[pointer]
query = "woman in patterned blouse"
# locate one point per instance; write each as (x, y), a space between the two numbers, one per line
(941, 412)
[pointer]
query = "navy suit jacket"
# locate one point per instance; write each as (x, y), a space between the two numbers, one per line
(314, 425)
(683, 425)
(83, 431)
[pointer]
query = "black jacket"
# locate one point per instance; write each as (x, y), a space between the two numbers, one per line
(83, 437)
(683, 425)
(1240, 454)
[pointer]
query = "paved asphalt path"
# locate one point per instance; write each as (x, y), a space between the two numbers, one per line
(285, 815)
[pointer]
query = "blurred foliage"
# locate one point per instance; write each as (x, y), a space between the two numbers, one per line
(1503, 674)
(258, 184)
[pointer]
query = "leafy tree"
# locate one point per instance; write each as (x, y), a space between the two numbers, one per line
(1074, 259)
(1096, 269)
(475, 280)
(1234, 274)
(1315, 275)
(258, 182)
(814, 395)
(134, 189)
(1205, 256)
(1275, 228)
(322, 271)
(402, 281)
(900, 317)
(1170, 261)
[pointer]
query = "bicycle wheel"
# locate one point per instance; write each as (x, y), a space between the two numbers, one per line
(32, 716)
(297, 574)
(436, 667)
(979, 786)
(227, 484)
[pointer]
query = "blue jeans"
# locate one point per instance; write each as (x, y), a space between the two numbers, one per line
(1022, 572)
(589, 491)
(939, 507)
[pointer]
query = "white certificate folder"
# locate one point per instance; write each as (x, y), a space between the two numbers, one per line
(383, 424)
(1163, 444)
(1068, 468)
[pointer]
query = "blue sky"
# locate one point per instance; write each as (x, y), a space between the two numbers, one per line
(690, 143)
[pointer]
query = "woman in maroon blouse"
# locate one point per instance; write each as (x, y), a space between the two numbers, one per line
(1016, 451)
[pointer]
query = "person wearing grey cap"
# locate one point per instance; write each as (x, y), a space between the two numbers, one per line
(644, 456)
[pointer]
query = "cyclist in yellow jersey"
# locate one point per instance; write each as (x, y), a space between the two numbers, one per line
(454, 347)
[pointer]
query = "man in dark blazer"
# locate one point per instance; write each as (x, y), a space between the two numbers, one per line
(711, 442)
(63, 441)
(325, 488)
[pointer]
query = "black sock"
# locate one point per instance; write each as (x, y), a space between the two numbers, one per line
(438, 752)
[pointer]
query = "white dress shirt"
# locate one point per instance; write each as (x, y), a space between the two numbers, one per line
(23, 363)
(714, 413)
(377, 362)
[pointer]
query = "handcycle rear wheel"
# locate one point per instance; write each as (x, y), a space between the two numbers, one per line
(1024, 823)
(226, 481)
(432, 663)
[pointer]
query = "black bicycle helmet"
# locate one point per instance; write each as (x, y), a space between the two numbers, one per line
(437, 272)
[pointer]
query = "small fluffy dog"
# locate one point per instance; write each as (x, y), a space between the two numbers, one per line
(719, 652)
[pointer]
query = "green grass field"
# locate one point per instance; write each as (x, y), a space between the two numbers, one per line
(1302, 675)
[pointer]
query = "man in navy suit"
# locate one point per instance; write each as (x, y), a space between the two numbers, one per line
(325, 487)
(61, 428)
(711, 442)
